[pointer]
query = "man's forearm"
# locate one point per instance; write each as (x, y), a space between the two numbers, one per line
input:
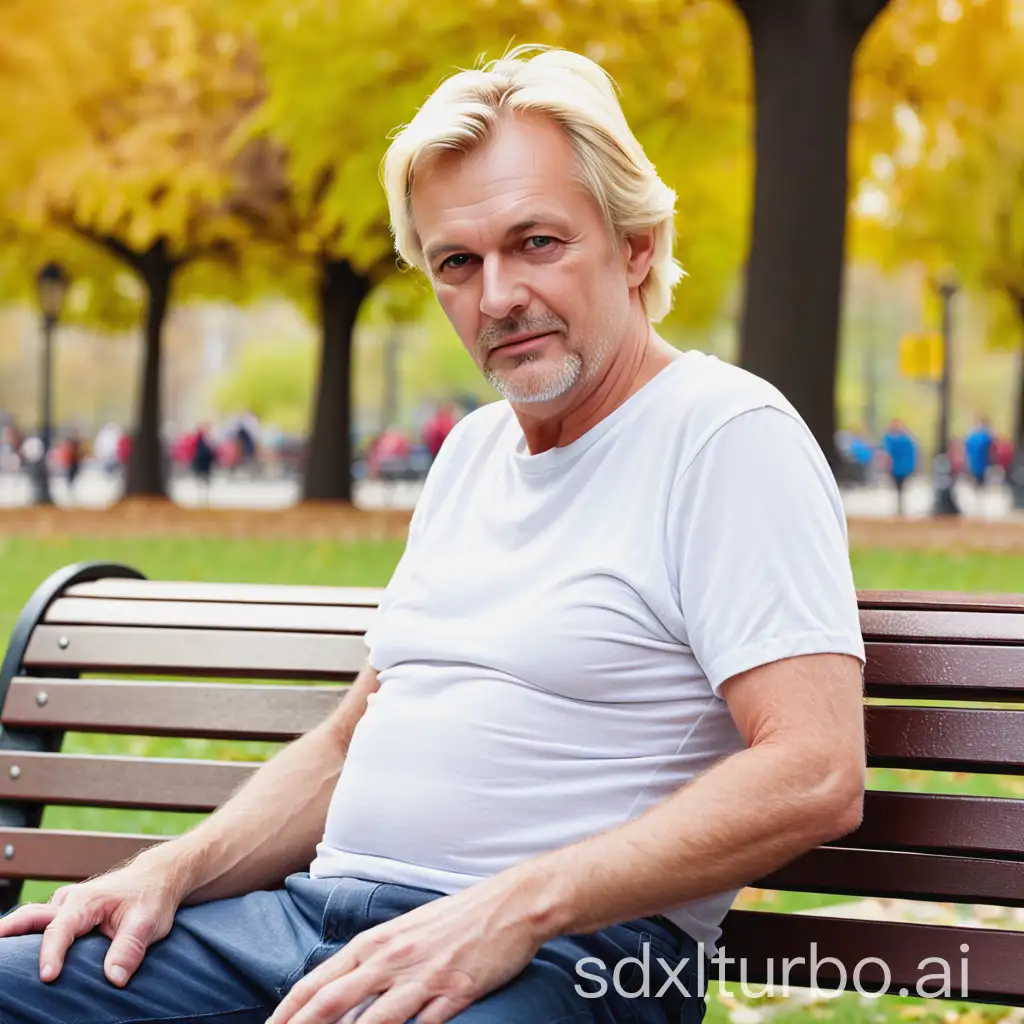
(268, 829)
(271, 826)
(750, 814)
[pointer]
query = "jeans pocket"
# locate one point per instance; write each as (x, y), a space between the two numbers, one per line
(327, 942)
(634, 980)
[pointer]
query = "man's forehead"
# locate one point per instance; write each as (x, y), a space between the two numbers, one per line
(525, 173)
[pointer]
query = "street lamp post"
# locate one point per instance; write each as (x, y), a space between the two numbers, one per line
(943, 476)
(51, 286)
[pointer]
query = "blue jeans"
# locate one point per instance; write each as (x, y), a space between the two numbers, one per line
(234, 960)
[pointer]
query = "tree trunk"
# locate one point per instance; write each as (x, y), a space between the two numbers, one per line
(146, 476)
(803, 57)
(329, 458)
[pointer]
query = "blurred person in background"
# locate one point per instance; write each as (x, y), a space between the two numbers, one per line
(391, 453)
(247, 435)
(616, 676)
(1002, 454)
(979, 451)
(11, 440)
(204, 458)
(437, 428)
(123, 447)
(900, 448)
(106, 448)
(74, 455)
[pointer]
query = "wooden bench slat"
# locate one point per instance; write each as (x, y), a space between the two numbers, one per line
(942, 626)
(62, 856)
(946, 739)
(233, 711)
(234, 593)
(211, 615)
(196, 652)
(993, 959)
(945, 600)
(944, 671)
(926, 738)
(934, 823)
(894, 874)
(130, 782)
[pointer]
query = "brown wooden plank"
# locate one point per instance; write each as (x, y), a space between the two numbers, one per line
(233, 593)
(196, 652)
(210, 710)
(946, 739)
(945, 600)
(942, 626)
(897, 875)
(937, 671)
(96, 781)
(60, 856)
(211, 615)
(756, 940)
(932, 823)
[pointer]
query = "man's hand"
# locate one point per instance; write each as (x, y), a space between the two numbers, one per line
(133, 906)
(428, 964)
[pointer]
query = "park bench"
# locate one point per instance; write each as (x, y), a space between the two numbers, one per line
(90, 634)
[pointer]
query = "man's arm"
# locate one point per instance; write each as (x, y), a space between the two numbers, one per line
(271, 826)
(798, 783)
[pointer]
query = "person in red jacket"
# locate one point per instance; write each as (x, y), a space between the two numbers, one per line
(437, 428)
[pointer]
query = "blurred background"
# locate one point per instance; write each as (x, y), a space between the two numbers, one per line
(198, 296)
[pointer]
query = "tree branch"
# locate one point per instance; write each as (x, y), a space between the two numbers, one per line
(108, 242)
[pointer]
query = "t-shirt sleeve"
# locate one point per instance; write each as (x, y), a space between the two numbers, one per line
(760, 548)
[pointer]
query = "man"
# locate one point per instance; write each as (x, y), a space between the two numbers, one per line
(615, 677)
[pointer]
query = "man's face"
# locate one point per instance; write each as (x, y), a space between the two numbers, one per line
(521, 262)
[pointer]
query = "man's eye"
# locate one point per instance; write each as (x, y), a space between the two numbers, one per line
(454, 262)
(539, 241)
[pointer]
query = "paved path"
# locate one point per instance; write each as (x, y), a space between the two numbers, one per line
(96, 490)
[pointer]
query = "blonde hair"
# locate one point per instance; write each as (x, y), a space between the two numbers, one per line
(580, 97)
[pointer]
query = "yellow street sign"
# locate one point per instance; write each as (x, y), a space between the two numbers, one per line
(921, 356)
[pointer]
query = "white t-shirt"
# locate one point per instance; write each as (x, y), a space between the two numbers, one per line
(552, 644)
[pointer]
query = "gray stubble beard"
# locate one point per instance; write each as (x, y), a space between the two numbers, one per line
(564, 379)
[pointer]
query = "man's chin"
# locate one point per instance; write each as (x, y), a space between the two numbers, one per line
(515, 393)
(527, 384)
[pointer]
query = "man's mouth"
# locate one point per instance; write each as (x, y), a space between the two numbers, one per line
(515, 346)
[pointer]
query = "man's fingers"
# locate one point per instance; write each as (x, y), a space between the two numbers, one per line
(129, 945)
(67, 925)
(60, 895)
(310, 986)
(33, 917)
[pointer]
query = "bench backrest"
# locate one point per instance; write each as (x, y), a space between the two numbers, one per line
(90, 635)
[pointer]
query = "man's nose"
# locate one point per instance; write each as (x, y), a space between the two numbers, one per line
(503, 290)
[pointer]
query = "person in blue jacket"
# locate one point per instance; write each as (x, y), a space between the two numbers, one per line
(979, 449)
(899, 444)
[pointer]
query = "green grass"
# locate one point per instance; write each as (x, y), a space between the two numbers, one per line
(997, 572)
(24, 563)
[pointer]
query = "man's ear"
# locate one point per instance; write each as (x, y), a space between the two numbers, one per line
(639, 256)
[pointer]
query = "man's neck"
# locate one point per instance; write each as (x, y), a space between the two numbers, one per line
(626, 370)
